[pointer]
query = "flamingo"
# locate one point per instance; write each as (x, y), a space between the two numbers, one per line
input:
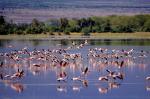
(85, 42)
(103, 78)
(76, 79)
(85, 71)
(62, 77)
(37, 65)
(85, 83)
(1, 64)
(18, 74)
(148, 78)
(121, 64)
(103, 90)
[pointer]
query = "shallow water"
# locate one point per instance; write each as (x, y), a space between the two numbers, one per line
(41, 82)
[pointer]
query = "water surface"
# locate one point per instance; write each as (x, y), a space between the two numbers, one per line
(41, 82)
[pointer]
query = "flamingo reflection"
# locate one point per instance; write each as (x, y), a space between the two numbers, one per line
(69, 65)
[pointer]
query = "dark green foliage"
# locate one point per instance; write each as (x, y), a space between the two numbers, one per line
(36, 27)
(2, 20)
(3, 30)
(34, 30)
(146, 26)
(63, 24)
(122, 24)
(113, 23)
(86, 31)
(74, 25)
(67, 31)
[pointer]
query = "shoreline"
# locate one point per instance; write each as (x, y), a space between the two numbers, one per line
(78, 36)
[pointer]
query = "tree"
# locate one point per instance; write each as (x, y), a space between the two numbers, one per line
(3, 30)
(106, 27)
(121, 24)
(86, 31)
(35, 23)
(2, 20)
(146, 26)
(82, 22)
(113, 23)
(63, 23)
(35, 27)
(96, 28)
(98, 21)
(2, 26)
(73, 25)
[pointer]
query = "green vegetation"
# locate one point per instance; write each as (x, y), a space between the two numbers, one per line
(84, 26)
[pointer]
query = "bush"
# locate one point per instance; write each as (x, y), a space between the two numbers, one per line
(3, 30)
(137, 23)
(2, 20)
(67, 33)
(146, 27)
(86, 31)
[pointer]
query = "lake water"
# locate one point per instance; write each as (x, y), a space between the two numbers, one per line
(26, 10)
(41, 81)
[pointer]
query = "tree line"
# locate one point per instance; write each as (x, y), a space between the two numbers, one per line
(113, 23)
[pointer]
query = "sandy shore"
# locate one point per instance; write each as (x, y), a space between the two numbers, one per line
(138, 35)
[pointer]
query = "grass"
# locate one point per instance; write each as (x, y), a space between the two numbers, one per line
(137, 35)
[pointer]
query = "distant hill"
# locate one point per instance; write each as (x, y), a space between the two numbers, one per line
(21, 11)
